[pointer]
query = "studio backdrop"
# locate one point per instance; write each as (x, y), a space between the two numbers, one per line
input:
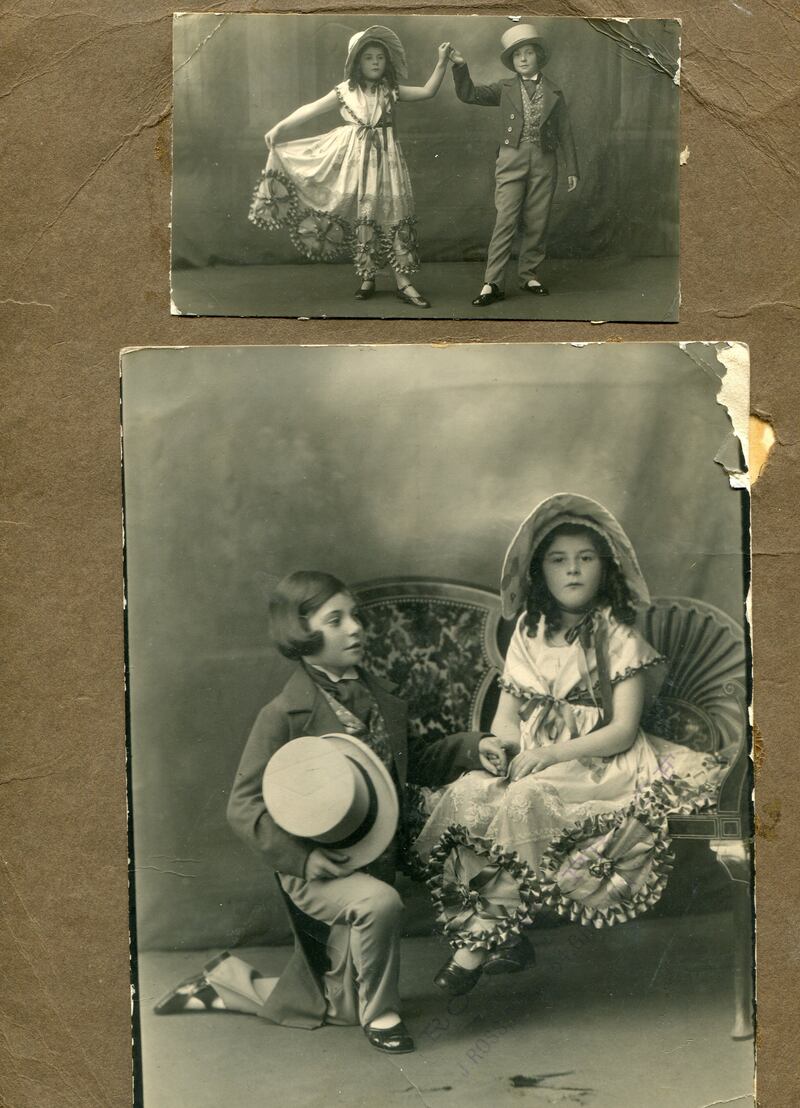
(243, 464)
(237, 75)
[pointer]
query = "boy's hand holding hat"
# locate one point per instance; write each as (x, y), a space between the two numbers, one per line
(336, 792)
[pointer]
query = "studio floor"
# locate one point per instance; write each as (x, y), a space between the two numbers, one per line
(610, 289)
(632, 1017)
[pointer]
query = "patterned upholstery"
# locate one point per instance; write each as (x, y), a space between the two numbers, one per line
(436, 643)
(441, 644)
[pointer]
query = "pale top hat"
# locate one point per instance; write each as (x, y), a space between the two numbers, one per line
(521, 35)
(566, 507)
(335, 791)
(385, 38)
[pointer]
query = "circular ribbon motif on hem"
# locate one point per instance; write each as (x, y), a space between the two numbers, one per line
(274, 201)
(609, 868)
(482, 894)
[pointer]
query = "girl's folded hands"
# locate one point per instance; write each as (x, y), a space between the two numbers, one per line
(532, 761)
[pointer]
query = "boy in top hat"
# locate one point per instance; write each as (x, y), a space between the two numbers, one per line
(345, 916)
(534, 125)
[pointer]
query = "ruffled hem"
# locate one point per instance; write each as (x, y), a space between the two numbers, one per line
(590, 876)
(324, 237)
(601, 870)
(482, 894)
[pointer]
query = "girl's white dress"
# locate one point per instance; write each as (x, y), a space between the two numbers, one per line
(346, 192)
(588, 835)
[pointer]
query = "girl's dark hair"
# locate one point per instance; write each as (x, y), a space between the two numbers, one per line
(613, 592)
(295, 598)
(354, 77)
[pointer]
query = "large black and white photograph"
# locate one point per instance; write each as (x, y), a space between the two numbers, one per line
(438, 685)
(420, 166)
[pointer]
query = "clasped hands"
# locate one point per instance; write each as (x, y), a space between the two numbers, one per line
(503, 758)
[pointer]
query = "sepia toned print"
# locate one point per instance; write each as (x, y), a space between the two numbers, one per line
(537, 642)
(450, 167)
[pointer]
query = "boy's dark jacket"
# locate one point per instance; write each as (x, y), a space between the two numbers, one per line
(301, 709)
(555, 129)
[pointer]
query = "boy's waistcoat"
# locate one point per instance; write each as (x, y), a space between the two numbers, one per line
(555, 128)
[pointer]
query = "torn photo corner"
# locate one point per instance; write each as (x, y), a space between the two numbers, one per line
(507, 583)
(437, 166)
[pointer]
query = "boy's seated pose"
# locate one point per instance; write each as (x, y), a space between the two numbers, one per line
(534, 124)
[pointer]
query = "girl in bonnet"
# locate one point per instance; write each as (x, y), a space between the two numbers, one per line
(575, 815)
(349, 191)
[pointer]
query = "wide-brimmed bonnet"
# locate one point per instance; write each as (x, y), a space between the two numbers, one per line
(384, 37)
(545, 517)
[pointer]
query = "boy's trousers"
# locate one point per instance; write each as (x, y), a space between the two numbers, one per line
(363, 947)
(525, 180)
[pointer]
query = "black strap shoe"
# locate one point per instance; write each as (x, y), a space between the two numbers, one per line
(485, 298)
(510, 959)
(535, 290)
(366, 289)
(391, 1040)
(412, 298)
(455, 980)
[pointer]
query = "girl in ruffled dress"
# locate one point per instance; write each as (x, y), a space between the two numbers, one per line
(348, 191)
(576, 816)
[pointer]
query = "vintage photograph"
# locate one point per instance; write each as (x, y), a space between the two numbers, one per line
(438, 678)
(425, 166)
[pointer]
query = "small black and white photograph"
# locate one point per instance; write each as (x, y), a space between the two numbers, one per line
(438, 743)
(425, 166)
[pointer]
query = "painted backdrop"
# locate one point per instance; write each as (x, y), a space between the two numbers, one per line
(236, 75)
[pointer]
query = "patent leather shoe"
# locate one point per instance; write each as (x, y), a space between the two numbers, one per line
(412, 298)
(510, 959)
(366, 290)
(486, 298)
(192, 988)
(391, 1040)
(455, 980)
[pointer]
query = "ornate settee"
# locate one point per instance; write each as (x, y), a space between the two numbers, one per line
(442, 644)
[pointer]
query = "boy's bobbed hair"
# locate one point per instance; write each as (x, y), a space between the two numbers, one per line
(354, 78)
(296, 598)
(613, 592)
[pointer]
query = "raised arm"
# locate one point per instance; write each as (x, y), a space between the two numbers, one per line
(302, 115)
(616, 736)
(434, 82)
(486, 96)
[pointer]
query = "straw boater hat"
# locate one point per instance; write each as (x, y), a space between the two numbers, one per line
(545, 517)
(385, 38)
(335, 791)
(515, 37)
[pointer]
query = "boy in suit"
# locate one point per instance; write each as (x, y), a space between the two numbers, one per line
(534, 125)
(346, 922)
